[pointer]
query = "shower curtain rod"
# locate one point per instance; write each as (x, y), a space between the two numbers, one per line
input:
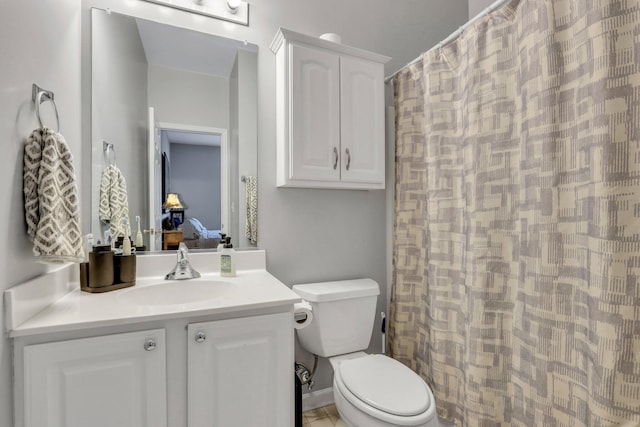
(495, 5)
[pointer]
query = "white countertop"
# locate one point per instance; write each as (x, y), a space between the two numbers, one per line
(251, 289)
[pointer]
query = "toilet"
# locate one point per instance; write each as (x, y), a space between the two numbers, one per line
(369, 390)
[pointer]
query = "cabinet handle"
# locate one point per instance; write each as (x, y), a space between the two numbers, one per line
(150, 345)
(200, 336)
(348, 153)
(335, 158)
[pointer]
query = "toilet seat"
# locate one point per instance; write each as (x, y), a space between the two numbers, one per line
(385, 389)
(385, 384)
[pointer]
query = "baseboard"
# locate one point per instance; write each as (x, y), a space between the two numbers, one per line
(317, 399)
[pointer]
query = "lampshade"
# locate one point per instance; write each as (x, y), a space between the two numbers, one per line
(172, 202)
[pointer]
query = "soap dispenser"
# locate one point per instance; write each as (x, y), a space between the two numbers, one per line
(126, 246)
(223, 240)
(101, 266)
(227, 260)
(125, 263)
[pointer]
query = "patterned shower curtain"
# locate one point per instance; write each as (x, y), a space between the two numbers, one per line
(516, 290)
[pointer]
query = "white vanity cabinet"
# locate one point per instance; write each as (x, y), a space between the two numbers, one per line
(212, 351)
(330, 114)
(240, 372)
(112, 380)
(231, 372)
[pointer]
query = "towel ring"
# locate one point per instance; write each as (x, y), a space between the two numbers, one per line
(106, 147)
(38, 96)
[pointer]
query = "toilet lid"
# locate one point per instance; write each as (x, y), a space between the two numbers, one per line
(385, 384)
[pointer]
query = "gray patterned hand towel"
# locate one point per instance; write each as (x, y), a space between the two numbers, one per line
(51, 203)
(114, 205)
(252, 209)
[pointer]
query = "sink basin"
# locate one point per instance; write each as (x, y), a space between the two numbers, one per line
(177, 292)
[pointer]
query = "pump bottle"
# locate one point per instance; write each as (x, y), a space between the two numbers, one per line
(227, 260)
(223, 240)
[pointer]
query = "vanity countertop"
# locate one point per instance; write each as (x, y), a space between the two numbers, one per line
(251, 289)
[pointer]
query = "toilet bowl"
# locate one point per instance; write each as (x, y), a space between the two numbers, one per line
(378, 391)
(368, 390)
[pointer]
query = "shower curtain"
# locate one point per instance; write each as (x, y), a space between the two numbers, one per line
(516, 284)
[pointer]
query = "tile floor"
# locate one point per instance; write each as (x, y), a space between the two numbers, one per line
(328, 417)
(322, 417)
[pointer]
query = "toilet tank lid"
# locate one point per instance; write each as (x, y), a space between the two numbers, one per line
(333, 291)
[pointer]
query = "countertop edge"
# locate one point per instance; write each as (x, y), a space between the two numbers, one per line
(33, 308)
(121, 321)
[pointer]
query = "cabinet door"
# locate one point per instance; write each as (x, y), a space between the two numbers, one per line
(240, 372)
(115, 380)
(314, 110)
(362, 126)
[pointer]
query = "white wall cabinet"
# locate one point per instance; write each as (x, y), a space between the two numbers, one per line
(219, 373)
(240, 372)
(330, 114)
(114, 380)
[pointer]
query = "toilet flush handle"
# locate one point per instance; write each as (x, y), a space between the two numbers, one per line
(384, 332)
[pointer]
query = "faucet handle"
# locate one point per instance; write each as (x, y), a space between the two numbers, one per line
(183, 252)
(183, 269)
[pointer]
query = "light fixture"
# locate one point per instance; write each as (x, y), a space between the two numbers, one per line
(236, 11)
(233, 5)
(172, 202)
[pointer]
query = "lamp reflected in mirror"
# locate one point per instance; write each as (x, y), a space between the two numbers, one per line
(175, 217)
(173, 202)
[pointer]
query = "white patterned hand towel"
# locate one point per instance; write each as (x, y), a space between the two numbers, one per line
(51, 198)
(252, 209)
(114, 206)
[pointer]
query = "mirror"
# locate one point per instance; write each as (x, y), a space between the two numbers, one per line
(174, 110)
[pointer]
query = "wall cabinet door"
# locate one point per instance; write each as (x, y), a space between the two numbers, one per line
(362, 121)
(330, 114)
(114, 380)
(315, 114)
(240, 372)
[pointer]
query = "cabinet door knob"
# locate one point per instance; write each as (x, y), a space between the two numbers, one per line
(348, 153)
(335, 158)
(200, 336)
(150, 345)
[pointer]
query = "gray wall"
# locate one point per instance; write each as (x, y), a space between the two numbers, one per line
(195, 175)
(248, 138)
(45, 52)
(477, 6)
(188, 98)
(309, 235)
(234, 149)
(119, 110)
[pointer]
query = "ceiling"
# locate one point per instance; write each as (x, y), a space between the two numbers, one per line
(193, 138)
(209, 54)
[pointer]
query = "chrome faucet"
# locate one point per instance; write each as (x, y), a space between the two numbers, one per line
(182, 269)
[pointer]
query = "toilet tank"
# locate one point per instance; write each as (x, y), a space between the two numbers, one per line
(343, 316)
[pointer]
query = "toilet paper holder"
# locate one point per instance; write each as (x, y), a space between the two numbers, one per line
(302, 314)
